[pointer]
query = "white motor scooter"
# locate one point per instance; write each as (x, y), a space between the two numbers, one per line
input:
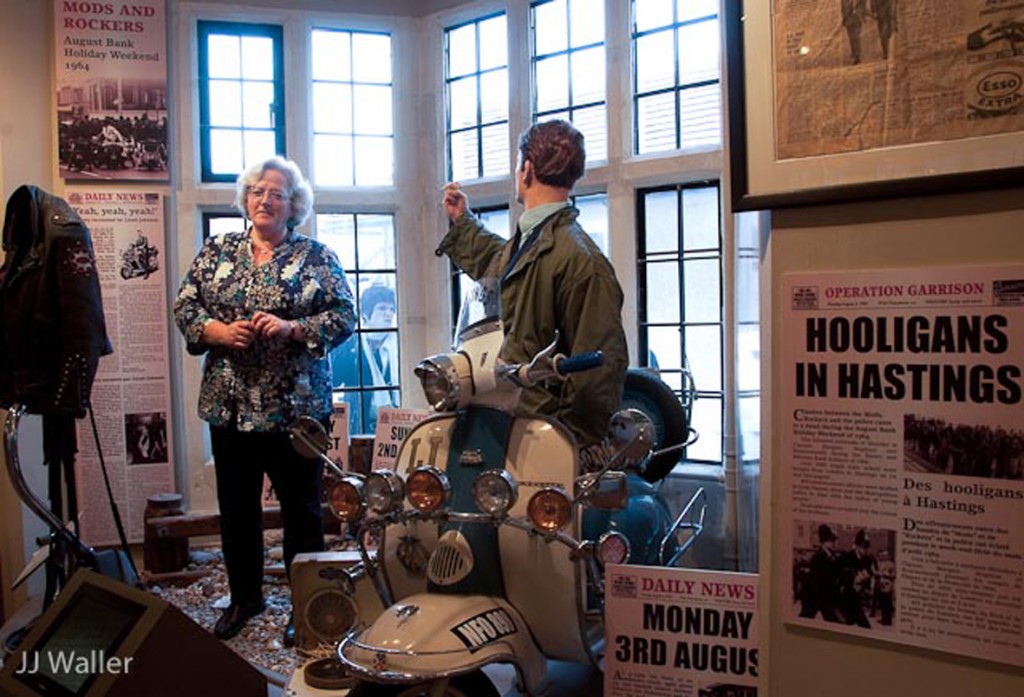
(475, 542)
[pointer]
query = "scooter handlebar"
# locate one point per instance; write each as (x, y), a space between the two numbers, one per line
(578, 362)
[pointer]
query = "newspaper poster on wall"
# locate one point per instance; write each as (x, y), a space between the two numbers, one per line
(903, 456)
(131, 397)
(680, 633)
(853, 75)
(111, 79)
(393, 425)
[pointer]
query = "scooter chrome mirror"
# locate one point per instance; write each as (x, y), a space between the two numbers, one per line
(632, 434)
(310, 439)
(606, 492)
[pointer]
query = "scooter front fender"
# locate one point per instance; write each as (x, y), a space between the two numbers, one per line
(430, 636)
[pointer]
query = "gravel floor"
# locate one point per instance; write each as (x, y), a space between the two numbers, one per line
(260, 642)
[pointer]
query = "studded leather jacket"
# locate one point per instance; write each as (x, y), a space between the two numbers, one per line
(51, 312)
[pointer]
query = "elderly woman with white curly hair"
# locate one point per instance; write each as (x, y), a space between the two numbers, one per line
(266, 306)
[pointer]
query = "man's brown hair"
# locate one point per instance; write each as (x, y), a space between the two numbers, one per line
(557, 152)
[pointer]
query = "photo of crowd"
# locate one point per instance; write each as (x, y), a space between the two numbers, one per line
(845, 574)
(112, 129)
(936, 446)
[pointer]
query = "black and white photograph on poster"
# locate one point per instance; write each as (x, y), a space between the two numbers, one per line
(845, 574)
(727, 689)
(934, 445)
(901, 394)
(111, 77)
(145, 438)
(140, 258)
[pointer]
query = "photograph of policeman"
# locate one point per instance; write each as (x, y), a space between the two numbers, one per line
(844, 574)
(933, 445)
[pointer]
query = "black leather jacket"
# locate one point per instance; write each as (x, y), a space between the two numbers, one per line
(51, 312)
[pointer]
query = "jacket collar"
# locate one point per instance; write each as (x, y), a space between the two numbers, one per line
(542, 244)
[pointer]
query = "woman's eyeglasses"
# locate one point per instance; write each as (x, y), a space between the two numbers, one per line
(275, 195)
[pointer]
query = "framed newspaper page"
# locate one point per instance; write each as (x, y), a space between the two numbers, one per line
(861, 99)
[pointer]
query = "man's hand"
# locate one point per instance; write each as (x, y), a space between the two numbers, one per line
(237, 335)
(454, 201)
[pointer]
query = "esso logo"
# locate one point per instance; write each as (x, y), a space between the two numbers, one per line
(1001, 84)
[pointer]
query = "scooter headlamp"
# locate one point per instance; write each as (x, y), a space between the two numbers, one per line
(384, 491)
(346, 500)
(549, 509)
(446, 379)
(427, 489)
(612, 548)
(495, 492)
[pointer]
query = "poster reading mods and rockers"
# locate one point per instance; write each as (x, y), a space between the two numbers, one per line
(680, 633)
(111, 80)
(903, 456)
(131, 397)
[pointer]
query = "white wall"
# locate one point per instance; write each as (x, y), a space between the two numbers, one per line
(936, 231)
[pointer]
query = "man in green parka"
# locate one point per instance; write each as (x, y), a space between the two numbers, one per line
(553, 278)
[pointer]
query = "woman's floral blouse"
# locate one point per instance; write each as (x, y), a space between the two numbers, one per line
(268, 385)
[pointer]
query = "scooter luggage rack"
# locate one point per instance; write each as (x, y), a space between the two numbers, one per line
(681, 523)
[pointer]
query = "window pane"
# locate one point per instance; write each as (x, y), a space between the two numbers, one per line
(694, 9)
(225, 151)
(552, 83)
(259, 145)
(593, 124)
(333, 160)
(664, 347)
(225, 103)
(494, 96)
(594, 217)
(749, 409)
(465, 162)
(648, 14)
(462, 50)
(588, 83)
(655, 62)
(258, 103)
(656, 123)
(700, 218)
(700, 116)
(338, 232)
(257, 58)
(701, 290)
(586, 19)
(225, 56)
(663, 292)
(223, 224)
(377, 242)
(493, 43)
(332, 108)
(661, 222)
(373, 110)
(374, 161)
(462, 110)
(495, 146)
(331, 55)
(707, 419)
(748, 357)
(551, 33)
(495, 221)
(698, 52)
(372, 58)
(704, 349)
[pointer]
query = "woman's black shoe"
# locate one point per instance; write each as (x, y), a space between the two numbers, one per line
(289, 631)
(235, 617)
